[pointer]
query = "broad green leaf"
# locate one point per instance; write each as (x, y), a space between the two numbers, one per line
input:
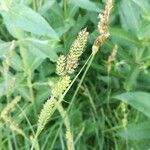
(26, 19)
(16, 62)
(47, 5)
(59, 22)
(4, 48)
(130, 15)
(86, 4)
(7, 86)
(24, 92)
(138, 100)
(136, 131)
(27, 2)
(63, 29)
(42, 48)
(131, 79)
(33, 61)
(72, 11)
(144, 5)
(144, 30)
(46, 69)
(3, 88)
(42, 94)
(57, 11)
(123, 37)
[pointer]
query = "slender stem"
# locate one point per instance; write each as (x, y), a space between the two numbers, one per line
(26, 69)
(40, 3)
(29, 81)
(69, 140)
(34, 140)
(35, 5)
(83, 76)
(30, 86)
(65, 3)
(62, 97)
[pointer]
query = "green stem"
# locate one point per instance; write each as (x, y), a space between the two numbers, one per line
(34, 140)
(35, 5)
(83, 76)
(40, 3)
(29, 81)
(69, 141)
(62, 97)
(27, 71)
(65, 3)
(30, 86)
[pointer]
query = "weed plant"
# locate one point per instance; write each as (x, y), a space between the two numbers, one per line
(74, 75)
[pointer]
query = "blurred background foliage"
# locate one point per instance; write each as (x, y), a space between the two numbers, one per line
(111, 110)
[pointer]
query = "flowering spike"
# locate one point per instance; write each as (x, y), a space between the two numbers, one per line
(102, 27)
(76, 50)
(61, 86)
(60, 67)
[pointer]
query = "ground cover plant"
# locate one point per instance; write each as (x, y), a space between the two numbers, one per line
(74, 74)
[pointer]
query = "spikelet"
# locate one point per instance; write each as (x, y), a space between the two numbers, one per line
(76, 50)
(102, 27)
(104, 18)
(112, 57)
(10, 106)
(67, 65)
(7, 61)
(61, 64)
(125, 114)
(61, 86)
(70, 145)
(13, 126)
(8, 121)
(46, 112)
(50, 106)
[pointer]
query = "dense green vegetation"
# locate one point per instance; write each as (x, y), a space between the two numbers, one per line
(106, 102)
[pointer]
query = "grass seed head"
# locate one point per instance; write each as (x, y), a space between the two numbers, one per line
(61, 86)
(102, 27)
(45, 113)
(76, 51)
(61, 64)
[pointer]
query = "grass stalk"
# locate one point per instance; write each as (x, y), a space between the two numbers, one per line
(65, 5)
(69, 137)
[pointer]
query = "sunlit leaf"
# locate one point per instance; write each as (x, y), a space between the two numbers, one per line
(136, 131)
(26, 19)
(86, 4)
(138, 100)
